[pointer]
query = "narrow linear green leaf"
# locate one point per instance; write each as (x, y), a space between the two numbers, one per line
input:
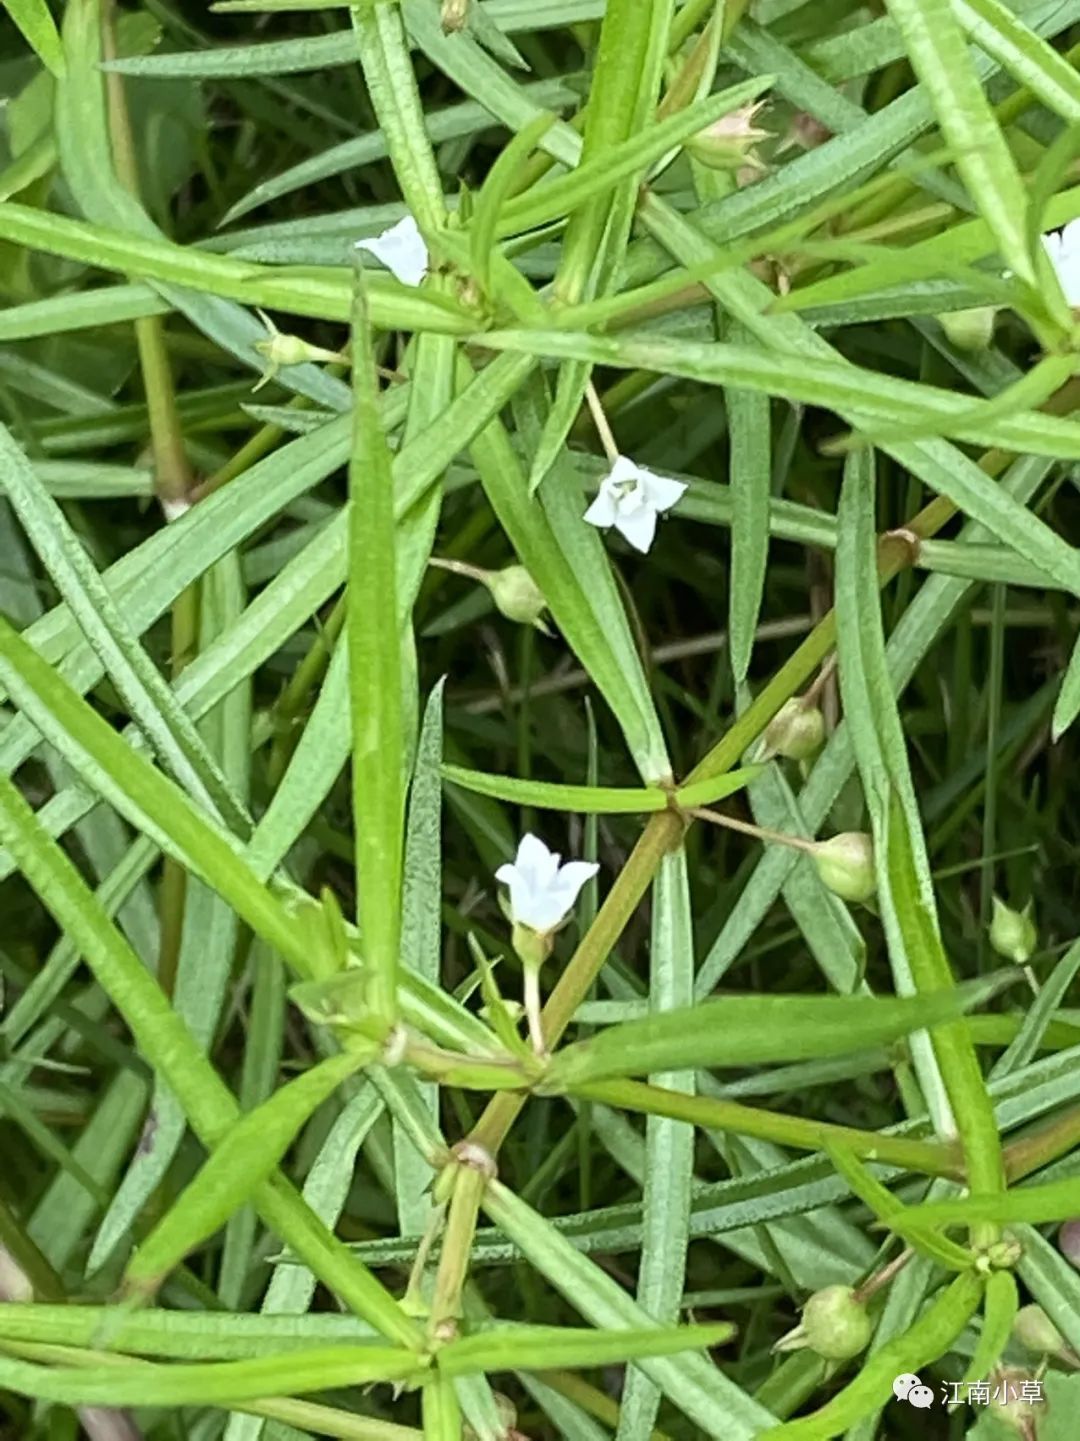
(587, 800)
(39, 30)
(491, 202)
(223, 1383)
(563, 195)
(547, 1348)
(669, 1143)
(1000, 1305)
(379, 750)
(245, 1156)
(150, 800)
(1053, 1201)
(150, 699)
(864, 397)
(939, 56)
(760, 1030)
(749, 424)
(395, 98)
(905, 886)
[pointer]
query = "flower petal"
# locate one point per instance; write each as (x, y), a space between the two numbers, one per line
(538, 864)
(638, 526)
(661, 490)
(602, 510)
(1051, 243)
(1070, 237)
(402, 250)
(622, 470)
(530, 906)
(572, 877)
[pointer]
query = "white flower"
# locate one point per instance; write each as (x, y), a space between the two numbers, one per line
(542, 892)
(1063, 248)
(631, 498)
(402, 250)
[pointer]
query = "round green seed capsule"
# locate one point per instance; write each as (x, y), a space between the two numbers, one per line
(836, 1324)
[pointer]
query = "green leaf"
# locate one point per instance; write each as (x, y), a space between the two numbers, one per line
(149, 799)
(1022, 1050)
(1037, 65)
(749, 425)
(395, 98)
(760, 1030)
(718, 1407)
(1052, 1281)
(244, 1157)
(904, 885)
(669, 1144)
(149, 698)
(421, 939)
(1000, 1305)
(866, 397)
(39, 30)
(586, 800)
(550, 541)
(223, 1383)
(501, 179)
(885, 1206)
(323, 293)
(1054, 1201)
(1067, 706)
(939, 56)
(379, 750)
(549, 1348)
(563, 195)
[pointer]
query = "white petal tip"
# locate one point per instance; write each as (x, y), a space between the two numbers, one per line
(174, 509)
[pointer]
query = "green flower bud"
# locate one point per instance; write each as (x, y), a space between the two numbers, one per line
(796, 731)
(517, 596)
(846, 865)
(727, 144)
(969, 329)
(1013, 933)
(1036, 1332)
(282, 350)
(1004, 1254)
(835, 1323)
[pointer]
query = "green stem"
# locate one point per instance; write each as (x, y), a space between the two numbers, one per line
(931, 1158)
(446, 1307)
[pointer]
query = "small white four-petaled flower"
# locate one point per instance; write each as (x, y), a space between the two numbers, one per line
(402, 250)
(1063, 248)
(542, 891)
(630, 498)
